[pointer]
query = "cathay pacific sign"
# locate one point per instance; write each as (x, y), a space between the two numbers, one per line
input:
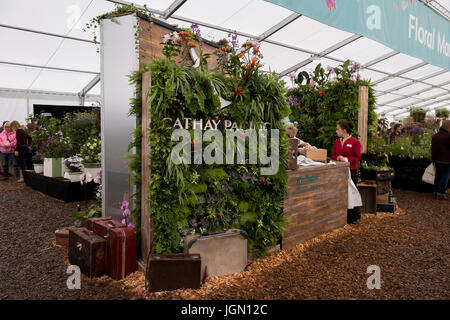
(407, 26)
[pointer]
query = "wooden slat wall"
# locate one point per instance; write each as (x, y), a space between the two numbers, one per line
(316, 202)
(363, 117)
(150, 37)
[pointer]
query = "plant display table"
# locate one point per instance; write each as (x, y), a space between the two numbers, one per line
(59, 188)
(316, 201)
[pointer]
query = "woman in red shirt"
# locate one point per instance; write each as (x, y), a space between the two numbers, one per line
(347, 148)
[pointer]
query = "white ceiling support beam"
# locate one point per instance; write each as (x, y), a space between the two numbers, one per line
(46, 67)
(280, 25)
(427, 104)
(82, 94)
(22, 93)
(412, 94)
(382, 58)
(321, 54)
(46, 33)
(126, 3)
(172, 8)
(436, 7)
(399, 73)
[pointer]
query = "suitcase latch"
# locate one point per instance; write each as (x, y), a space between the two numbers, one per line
(79, 246)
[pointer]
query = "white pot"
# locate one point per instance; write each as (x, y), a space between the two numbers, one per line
(38, 167)
(93, 169)
(73, 176)
(53, 167)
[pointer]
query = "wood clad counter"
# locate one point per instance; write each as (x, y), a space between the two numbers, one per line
(316, 201)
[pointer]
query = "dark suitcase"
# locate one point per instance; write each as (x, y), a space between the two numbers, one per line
(224, 252)
(368, 192)
(87, 251)
(101, 227)
(88, 223)
(174, 271)
(121, 256)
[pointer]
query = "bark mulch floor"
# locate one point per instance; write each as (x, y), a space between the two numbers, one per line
(412, 249)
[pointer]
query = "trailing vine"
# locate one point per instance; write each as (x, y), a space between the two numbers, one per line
(94, 23)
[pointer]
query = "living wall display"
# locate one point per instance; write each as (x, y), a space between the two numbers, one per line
(322, 98)
(189, 198)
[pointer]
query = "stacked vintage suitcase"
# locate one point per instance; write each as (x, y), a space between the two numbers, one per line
(103, 245)
(210, 254)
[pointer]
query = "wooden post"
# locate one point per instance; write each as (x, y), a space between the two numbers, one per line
(363, 116)
(146, 223)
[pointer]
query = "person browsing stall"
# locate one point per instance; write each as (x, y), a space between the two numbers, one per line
(346, 148)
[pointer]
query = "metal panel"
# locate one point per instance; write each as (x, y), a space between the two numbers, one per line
(118, 60)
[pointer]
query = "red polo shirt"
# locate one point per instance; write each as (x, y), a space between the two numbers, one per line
(350, 150)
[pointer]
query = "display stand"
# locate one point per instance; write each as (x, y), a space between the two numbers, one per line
(316, 201)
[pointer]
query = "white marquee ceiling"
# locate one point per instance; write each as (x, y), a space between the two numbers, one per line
(44, 48)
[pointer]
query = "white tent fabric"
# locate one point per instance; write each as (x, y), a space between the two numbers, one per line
(45, 55)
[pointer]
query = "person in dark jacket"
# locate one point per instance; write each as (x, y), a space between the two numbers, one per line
(22, 150)
(347, 148)
(440, 155)
(396, 132)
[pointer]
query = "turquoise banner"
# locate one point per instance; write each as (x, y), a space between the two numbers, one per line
(407, 26)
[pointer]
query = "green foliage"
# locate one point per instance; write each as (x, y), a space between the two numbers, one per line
(442, 113)
(327, 98)
(218, 196)
(91, 150)
(77, 128)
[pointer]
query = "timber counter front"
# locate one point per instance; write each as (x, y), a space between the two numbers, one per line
(316, 201)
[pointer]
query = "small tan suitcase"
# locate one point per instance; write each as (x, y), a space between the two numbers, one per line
(223, 252)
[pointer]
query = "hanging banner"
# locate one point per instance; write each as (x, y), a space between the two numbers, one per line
(407, 26)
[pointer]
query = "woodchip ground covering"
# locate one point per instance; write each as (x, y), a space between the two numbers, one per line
(411, 247)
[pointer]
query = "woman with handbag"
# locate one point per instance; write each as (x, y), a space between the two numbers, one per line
(440, 155)
(348, 149)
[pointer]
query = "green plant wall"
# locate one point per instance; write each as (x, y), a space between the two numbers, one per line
(323, 98)
(204, 198)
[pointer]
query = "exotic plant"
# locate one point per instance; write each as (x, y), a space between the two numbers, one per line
(91, 150)
(41, 128)
(53, 148)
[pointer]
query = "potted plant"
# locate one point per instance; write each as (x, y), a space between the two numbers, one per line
(38, 163)
(91, 154)
(442, 113)
(74, 166)
(418, 114)
(53, 151)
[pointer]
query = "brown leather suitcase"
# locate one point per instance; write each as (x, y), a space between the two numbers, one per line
(101, 227)
(88, 223)
(87, 250)
(174, 271)
(224, 252)
(121, 254)
(62, 236)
